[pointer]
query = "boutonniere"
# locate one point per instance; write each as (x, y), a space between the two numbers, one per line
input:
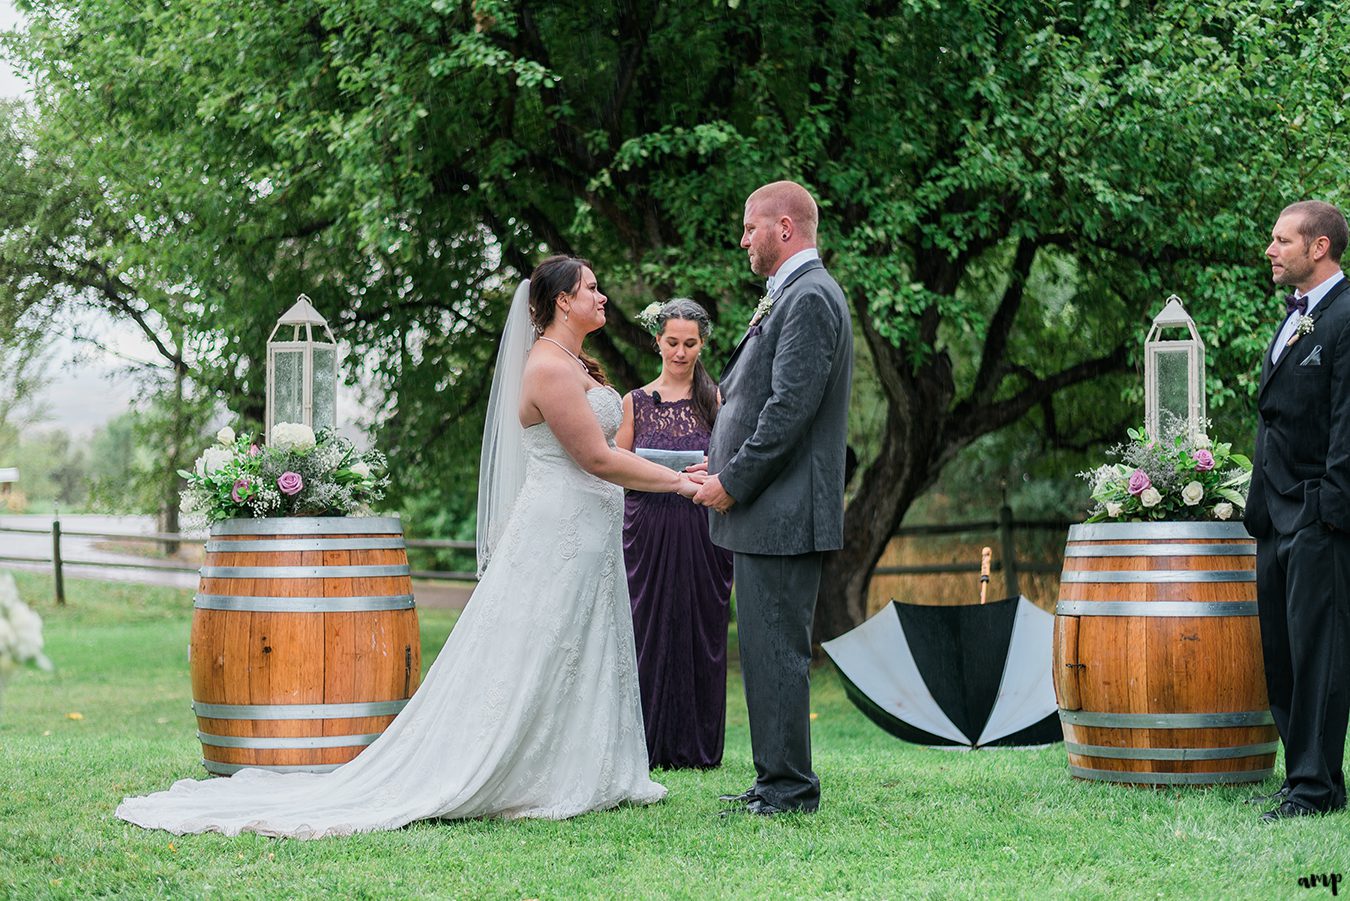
(1304, 326)
(762, 310)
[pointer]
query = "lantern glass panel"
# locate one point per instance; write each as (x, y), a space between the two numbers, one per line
(325, 388)
(1173, 371)
(288, 386)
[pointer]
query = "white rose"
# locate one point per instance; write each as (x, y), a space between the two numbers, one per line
(1193, 493)
(292, 436)
(1113, 509)
(1150, 497)
(1223, 510)
(213, 460)
(362, 469)
(225, 436)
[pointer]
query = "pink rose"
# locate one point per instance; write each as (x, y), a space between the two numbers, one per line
(243, 489)
(1204, 461)
(290, 483)
(1139, 482)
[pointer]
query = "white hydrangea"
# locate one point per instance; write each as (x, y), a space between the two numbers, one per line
(20, 629)
(225, 436)
(212, 460)
(292, 436)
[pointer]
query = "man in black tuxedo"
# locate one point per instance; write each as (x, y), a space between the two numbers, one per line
(1298, 509)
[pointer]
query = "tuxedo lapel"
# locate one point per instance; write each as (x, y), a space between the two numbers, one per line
(1268, 369)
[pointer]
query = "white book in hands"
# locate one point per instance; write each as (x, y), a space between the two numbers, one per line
(677, 460)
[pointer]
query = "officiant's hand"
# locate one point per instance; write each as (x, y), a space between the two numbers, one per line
(698, 467)
(713, 495)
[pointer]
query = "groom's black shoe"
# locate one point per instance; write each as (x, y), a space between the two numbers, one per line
(1274, 797)
(1288, 810)
(760, 808)
(744, 797)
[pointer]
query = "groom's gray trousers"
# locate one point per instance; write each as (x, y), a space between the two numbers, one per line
(775, 600)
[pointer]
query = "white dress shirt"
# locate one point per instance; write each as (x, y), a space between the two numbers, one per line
(1291, 321)
(790, 265)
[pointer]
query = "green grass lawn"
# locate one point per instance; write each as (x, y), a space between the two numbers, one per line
(896, 820)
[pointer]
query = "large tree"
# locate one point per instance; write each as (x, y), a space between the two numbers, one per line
(1007, 189)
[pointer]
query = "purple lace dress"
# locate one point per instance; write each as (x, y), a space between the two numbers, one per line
(680, 584)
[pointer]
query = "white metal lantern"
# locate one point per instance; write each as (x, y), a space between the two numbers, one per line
(302, 370)
(1174, 372)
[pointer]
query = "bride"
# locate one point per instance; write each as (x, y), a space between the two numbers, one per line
(531, 708)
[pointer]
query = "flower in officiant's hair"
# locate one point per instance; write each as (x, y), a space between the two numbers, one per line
(1193, 493)
(649, 314)
(1139, 482)
(1204, 461)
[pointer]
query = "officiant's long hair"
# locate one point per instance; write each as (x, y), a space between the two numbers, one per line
(556, 275)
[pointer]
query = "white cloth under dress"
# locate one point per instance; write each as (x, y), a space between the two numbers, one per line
(530, 710)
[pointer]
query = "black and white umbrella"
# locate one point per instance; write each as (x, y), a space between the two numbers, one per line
(971, 675)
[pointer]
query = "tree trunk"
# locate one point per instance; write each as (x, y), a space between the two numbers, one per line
(168, 513)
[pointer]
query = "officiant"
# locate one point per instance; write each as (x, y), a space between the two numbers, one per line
(678, 580)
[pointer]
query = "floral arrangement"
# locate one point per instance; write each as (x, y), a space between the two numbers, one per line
(298, 474)
(20, 631)
(1176, 476)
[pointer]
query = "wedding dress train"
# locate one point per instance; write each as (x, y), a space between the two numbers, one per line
(530, 710)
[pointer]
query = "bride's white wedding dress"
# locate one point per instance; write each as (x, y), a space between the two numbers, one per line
(531, 709)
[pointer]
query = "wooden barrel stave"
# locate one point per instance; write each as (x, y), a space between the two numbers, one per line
(1162, 664)
(317, 657)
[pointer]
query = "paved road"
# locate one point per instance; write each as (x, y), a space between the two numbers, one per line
(37, 546)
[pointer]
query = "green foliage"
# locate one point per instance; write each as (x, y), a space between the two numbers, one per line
(897, 821)
(1008, 190)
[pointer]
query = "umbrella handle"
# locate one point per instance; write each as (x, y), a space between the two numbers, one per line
(986, 557)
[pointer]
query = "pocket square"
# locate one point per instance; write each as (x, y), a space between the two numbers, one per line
(754, 330)
(1314, 358)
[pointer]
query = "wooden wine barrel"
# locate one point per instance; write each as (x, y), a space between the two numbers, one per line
(304, 641)
(1157, 655)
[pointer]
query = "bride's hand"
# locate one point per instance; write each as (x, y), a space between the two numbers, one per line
(689, 484)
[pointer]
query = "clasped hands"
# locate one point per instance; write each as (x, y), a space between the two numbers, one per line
(710, 491)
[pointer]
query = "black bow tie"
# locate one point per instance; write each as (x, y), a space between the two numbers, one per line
(1292, 303)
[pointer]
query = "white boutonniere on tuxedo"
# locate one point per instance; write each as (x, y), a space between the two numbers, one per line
(1305, 325)
(762, 309)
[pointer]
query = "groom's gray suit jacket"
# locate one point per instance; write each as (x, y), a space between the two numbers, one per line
(779, 442)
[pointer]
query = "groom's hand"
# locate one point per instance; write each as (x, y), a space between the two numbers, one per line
(712, 494)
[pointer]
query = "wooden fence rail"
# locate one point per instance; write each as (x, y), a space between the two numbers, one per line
(1006, 527)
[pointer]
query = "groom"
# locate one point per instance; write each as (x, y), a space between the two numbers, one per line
(776, 483)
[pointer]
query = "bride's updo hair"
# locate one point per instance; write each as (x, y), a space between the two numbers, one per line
(554, 277)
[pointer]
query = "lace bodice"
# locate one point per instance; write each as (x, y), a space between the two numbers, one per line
(542, 444)
(669, 425)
